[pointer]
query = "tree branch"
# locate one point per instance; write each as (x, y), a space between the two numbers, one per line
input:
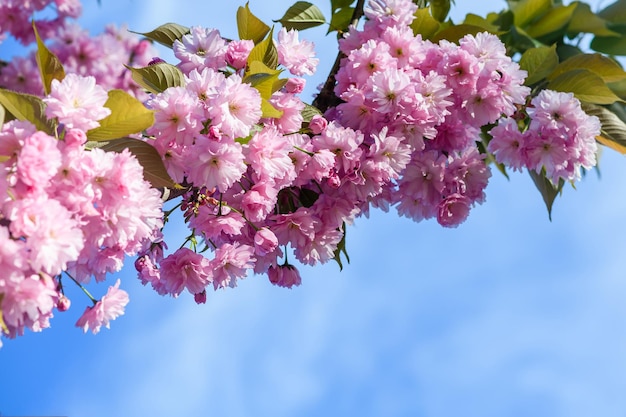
(327, 97)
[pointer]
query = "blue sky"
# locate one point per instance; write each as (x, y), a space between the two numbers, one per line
(508, 315)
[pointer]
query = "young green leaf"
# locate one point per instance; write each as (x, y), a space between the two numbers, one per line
(302, 15)
(527, 11)
(475, 20)
(548, 191)
(440, 9)
(128, 116)
(613, 133)
(615, 12)
(585, 85)
(263, 78)
(265, 52)
(341, 248)
(340, 20)
(539, 63)
(3, 327)
(50, 67)
(309, 111)
(166, 34)
(455, 32)
(424, 24)
(599, 64)
(269, 111)
(249, 26)
(555, 19)
(611, 45)
(153, 168)
(340, 4)
(585, 21)
(26, 107)
(158, 78)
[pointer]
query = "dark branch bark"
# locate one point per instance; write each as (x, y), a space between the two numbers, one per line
(327, 97)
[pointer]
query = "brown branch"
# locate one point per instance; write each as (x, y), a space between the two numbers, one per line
(327, 97)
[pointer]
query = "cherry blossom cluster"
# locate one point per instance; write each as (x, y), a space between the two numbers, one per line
(16, 17)
(254, 183)
(555, 136)
(433, 97)
(102, 57)
(262, 178)
(68, 212)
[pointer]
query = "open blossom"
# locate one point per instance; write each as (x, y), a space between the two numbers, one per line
(296, 55)
(77, 102)
(185, 269)
(110, 307)
(201, 48)
(560, 138)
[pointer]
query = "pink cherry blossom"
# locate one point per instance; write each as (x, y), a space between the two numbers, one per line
(110, 307)
(185, 269)
(296, 55)
(77, 102)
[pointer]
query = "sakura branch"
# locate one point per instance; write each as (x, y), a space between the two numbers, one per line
(413, 115)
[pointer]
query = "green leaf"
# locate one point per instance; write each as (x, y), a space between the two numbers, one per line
(128, 116)
(50, 66)
(613, 134)
(475, 20)
(614, 13)
(539, 63)
(158, 78)
(265, 52)
(599, 64)
(3, 326)
(340, 4)
(456, 32)
(440, 9)
(586, 21)
(26, 107)
(527, 11)
(249, 26)
(2, 114)
(554, 20)
(166, 34)
(302, 15)
(340, 20)
(585, 85)
(153, 168)
(424, 24)
(269, 111)
(548, 191)
(309, 111)
(611, 45)
(263, 78)
(341, 248)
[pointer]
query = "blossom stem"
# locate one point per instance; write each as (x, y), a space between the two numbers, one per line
(91, 297)
(304, 150)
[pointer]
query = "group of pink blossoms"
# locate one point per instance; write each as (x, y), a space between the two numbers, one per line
(260, 189)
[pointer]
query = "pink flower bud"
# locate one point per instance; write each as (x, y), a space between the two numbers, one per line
(284, 276)
(318, 124)
(75, 137)
(237, 53)
(200, 298)
(265, 241)
(63, 304)
(295, 85)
